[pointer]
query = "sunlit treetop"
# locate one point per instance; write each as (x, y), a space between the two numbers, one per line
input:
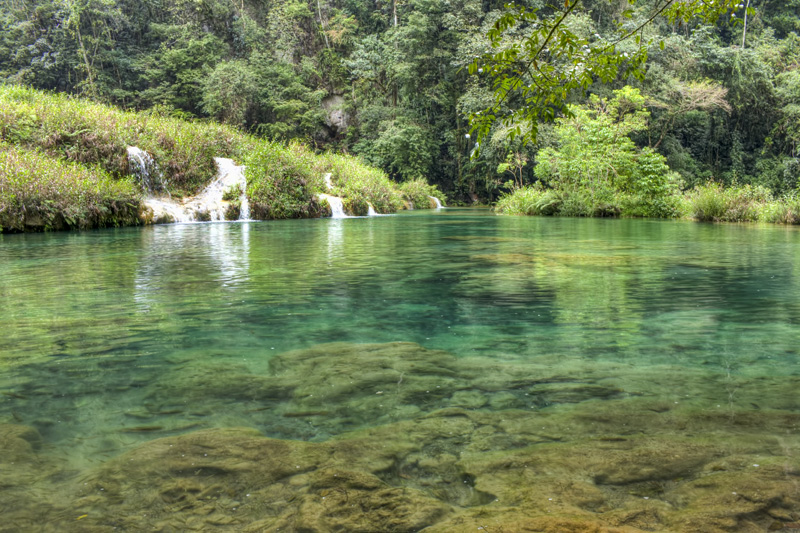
(536, 61)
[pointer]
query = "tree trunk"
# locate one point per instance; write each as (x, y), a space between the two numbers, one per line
(744, 29)
(322, 25)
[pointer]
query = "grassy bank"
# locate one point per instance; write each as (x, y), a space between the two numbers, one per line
(48, 137)
(710, 202)
(418, 193)
(286, 182)
(40, 192)
(85, 132)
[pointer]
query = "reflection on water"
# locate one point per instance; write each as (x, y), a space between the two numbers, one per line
(335, 241)
(494, 372)
(222, 251)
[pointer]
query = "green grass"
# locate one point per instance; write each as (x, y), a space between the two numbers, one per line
(286, 181)
(529, 201)
(418, 193)
(54, 132)
(714, 203)
(282, 182)
(782, 211)
(39, 192)
(360, 185)
(86, 132)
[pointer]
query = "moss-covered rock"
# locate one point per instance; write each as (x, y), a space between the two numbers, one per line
(396, 437)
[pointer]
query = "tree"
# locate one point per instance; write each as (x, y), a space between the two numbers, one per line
(538, 61)
(683, 98)
(230, 92)
(596, 169)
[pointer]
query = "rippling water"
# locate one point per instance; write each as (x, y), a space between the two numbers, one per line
(112, 339)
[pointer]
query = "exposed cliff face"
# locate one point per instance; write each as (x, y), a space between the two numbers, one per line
(336, 117)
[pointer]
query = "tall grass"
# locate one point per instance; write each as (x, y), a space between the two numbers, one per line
(39, 192)
(87, 132)
(286, 181)
(711, 202)
(360, 185)
(782, 211)
(529, 201)
(714, 203)
(282, 182)
(418, 193)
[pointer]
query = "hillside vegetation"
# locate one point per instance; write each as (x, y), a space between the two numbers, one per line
(64, 164)
(38, 191)
(388, 81)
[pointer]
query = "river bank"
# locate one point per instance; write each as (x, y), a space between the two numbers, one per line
(68, 163)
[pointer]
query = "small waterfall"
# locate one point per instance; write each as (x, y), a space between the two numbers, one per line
(229, 175)
(144, 167)
(436, 201)
(371, 211)
(209, 205)
(244, 206)
(337, 207)
(327, 179)
(167, 210)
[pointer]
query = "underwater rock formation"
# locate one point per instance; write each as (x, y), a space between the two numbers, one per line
(396, 437)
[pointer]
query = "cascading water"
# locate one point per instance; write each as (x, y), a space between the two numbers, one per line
(211, 200)
(231, 175)
(210, 204)
(144, 167)
(437, 202)
(337, 207)
(167, 210)
(371, 211)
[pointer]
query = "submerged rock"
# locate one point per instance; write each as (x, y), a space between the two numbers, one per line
(407, 439)
(236, 480)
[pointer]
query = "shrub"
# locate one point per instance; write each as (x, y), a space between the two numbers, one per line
(596, 169)
(713, 202)
(39, 192)
(282, 185)
(418, 193)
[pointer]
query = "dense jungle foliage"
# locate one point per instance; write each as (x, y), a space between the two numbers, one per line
(389, 81)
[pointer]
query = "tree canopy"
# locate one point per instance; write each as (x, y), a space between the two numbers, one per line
(411, 85)
(540, 56)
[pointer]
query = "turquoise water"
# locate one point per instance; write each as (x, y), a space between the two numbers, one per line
(114, 338)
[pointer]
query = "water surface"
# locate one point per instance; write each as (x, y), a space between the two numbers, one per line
(657, 335)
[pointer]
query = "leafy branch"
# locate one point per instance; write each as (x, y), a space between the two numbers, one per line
(533, 77)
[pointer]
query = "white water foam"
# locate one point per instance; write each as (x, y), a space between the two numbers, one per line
(166, 210)
(337, 207)
(144, 167)
(229, 175)
(437, 202)
(209, 204)
(371, 211)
